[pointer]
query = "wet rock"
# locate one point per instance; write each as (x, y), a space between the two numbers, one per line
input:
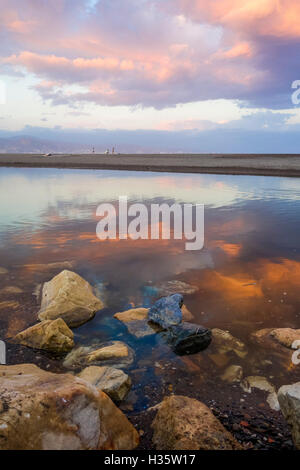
(134, 314)
(166, 311)
(232, 374)
(45, 411)
(286, 336)
(114, 382)
(50, 335)
(11, 290)
(136, 321)
(8, 304)
(173, 287)
(70, 297)
(186, 314)
(184, 423)
(289, 400)
(261, 383)
(225, 342)
(278, 342)
(188, 338)
(114, 353)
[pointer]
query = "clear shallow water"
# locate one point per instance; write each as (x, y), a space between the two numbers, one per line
(248, 273)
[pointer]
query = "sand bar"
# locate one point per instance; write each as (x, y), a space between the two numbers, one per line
(273, 165)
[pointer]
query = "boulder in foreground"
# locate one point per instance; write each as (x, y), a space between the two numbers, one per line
(289, 400)
(70, 297)
(45, 411)
(114, 382)
(50, 335)
(184, 423)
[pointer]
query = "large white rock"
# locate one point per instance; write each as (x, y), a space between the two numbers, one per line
(70, 297)
(44, 411)
(289, 400)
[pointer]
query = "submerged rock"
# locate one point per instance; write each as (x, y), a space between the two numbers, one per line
(225, 342)
(70, 297)
(289, 400)
(166, 311)
(11, 290)
(114, 353)
(184, 423)
(173, 287)
(134, 314)
(278, 342)
(188, 338)
(45, 411)
(232, 374)
(50, 335)
(114, 382)
(261, 383)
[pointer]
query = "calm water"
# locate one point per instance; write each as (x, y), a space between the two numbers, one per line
(248, 273)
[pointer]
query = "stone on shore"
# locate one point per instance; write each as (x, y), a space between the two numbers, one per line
(114, 353)
(232, 374)
(261, 383)
(114, 382)
(50, 335)
(184, 423)
(45, 411)
(166, 311)
(225, 342)
(283, 336)
(289, 400)
(70, 297)
(188, 338)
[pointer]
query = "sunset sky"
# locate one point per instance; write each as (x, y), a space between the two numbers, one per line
(182, 69)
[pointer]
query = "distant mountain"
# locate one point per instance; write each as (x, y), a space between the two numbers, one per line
(29, 144)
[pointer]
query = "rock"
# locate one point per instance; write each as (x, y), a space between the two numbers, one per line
(134, 314)
(45, 411)
(225, 343)
(11, 290)
(173, 287)
(50, 335)
(9, 304)
(289, 400)
(283, 336)
(3, 270)
(114, 382)
(166, 311)
(232, 374)
(136, 321)
(261, 383)
(286, 336)
(188, 338)
(184, 423)
(113, 353)
(70, 297)
(49, 266)
(277, 342)
(186, 314)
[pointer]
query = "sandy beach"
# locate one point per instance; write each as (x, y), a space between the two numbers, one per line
(246, 164)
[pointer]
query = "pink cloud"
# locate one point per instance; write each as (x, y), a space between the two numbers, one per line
(154, 53)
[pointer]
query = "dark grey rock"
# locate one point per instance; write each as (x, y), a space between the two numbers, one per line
(166, 311)
(188, 338)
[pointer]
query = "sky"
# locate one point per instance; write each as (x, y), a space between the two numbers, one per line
(193, 75)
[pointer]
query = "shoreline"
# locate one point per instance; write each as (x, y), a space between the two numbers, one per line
(232, 164)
